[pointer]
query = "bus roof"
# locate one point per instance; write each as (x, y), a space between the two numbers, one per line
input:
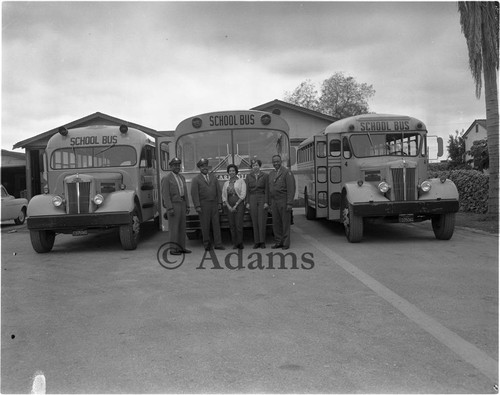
(95, 135)
(241, 119)
(376, 123)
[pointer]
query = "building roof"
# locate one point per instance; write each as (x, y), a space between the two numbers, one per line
(13, 159)
(92, 119)
(480, 122)
(279, 103)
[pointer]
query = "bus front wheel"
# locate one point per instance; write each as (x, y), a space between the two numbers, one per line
(353, 224)
(129, 234)
(42, 240)
(443, 226)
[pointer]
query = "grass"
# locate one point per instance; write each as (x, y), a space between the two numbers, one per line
(484, 222)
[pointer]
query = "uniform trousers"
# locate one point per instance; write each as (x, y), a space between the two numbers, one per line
(259, 217)
(281, 222)
(177, 225)
(209, 218)
(236, 220)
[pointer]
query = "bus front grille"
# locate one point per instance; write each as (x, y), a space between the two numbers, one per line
(78, 197)
(403, 184)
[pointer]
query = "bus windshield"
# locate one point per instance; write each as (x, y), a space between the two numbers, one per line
(378, 144)
(93, 157)
(224, 147)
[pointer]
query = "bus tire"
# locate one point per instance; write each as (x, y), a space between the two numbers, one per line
(310, 212)
(353, 224)
(443, 226)
(42, 240)
(129, 234)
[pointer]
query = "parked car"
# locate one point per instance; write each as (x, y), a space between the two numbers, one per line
(13, 208)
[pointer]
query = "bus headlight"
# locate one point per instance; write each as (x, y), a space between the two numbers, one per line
(383, 187)
(57, 201)
(98, 199)
(425, 186)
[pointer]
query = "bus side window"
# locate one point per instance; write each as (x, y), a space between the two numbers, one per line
(346, 148)
(164, 156)
(335, 148)
(321, 149)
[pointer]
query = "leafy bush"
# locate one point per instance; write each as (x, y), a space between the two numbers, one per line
(472, 188)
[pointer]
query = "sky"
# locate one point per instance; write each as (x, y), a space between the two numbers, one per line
(157, 63)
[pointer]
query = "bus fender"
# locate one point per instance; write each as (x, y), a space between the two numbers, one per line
(118, 201)
(41, 205)
(362, 194)
(440, 190)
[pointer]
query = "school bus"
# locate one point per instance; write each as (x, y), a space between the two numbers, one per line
(97, 178)
(373, 167)
(226, 137)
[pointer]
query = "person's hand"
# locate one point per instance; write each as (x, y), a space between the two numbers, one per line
(198, 210)
(187, 211)
(170, 212)
(266, 206)
(220, 208)
(289, 207)
(248, 206)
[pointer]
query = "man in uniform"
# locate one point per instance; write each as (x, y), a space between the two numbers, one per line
(207, 199)
(281, 194)
(176, 201)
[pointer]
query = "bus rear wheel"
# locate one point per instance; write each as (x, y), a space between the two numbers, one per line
(353, 224)
(42, 240)
(129, 234)
(310, 212)
(443, 226)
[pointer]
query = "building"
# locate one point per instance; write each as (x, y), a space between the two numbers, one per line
(14, 173)
(475, 132)
(302, 121)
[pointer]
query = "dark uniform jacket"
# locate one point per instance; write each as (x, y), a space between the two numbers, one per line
(281, 185)
(257, 186)
(201, 191)
(170, 190)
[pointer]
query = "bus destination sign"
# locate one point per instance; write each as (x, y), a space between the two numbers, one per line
(232, 120)
(93, 140)
(384, 126)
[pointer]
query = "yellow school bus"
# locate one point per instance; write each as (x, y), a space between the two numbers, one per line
(97, 178)
(373, 167)
(224, 137)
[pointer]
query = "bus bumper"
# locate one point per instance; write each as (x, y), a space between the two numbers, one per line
(70, 222)
(424, 207)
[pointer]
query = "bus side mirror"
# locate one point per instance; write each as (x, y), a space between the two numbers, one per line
(440, 147)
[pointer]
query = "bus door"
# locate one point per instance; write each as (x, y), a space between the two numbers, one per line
(321, 176)
(165, 152)
(334, 175)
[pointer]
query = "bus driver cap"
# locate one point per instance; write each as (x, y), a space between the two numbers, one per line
(202, 162)
(175, 161)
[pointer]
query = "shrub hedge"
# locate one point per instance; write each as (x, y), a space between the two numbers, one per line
(472, 188)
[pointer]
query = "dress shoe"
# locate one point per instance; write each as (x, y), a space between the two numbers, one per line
(208, 247)
(257, 245)
(277, 246)
(262, 245)
(186, 251)
(219, 248)
(240, 246)
(285, 248)
(235, 247)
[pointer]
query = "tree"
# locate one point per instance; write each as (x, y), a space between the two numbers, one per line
(479, 152)
(456, 150)
(479, 21)
(341, 96)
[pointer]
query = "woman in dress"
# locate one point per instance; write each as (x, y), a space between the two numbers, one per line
(233, 196)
